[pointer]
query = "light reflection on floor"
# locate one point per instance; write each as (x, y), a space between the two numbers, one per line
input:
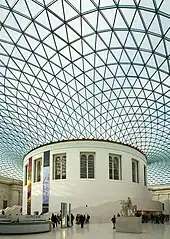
(100, 231)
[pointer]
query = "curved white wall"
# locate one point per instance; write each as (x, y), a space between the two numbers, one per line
(91, 192)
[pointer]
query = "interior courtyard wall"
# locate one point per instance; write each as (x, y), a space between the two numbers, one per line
(11, 191)
(161, 193)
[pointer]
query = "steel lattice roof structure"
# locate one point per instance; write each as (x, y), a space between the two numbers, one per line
(85, 69)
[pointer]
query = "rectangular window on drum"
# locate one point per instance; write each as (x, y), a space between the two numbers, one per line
(83, 166)
(26, 175)
(87, 165)
(145, 176)
(115, 167)
(59, 166)
(135, 171)
(37, 169)
(91, 166)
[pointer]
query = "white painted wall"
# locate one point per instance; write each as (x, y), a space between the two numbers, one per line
(91, 192)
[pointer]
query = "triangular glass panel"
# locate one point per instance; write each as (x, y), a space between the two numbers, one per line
(120, 71)
(86, 65)
(77, 69)
(74, 54)
(55, 22)
(72, 36)
(31, 30)
(65, 52)
(49, 52)
(115, 42)
(59, 43)
(124, 57)
(69, 11)
(4, 14)
(87, 6)
(100, 44)
(161, 48)
(155, 26)
(77, 45)
(33, 42)
(40, 51)
(129, 14)
(147, 17)
(56, 60)
(91, 40)
(43, 19)
(61, 32)
(147, 3)
(119, 22)
(165, 7)
(102, 24)
(122, 35)
(91, 18)
(165, 67)
(64, 61)
(34, 8)
(76, 25)
(14, 34)
(106, 37)
(86, 29)
(137, 22)
(110, 14)
(42, 31)
(98, 61)
(145, 43)
(130, 41)
(152, 61)
(138, 58)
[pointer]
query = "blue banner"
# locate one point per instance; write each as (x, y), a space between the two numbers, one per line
(46, 182)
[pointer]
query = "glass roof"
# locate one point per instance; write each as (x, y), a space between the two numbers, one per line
(84, 69)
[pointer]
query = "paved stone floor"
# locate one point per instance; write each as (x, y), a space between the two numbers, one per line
(100, 231)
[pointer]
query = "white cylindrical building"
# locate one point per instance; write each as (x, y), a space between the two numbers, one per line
(84, 172)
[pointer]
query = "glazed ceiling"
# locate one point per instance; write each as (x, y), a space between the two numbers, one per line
(84, 69)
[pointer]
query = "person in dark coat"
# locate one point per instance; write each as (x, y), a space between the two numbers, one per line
(68, 219)
(82, 220)
(114, 221)
(53, 220)
(72, 219)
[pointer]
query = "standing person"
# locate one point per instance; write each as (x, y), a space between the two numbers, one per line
(53, 220)
(68, 219)
(118, 215)
(77, 218)
(114, 221)
(82, 220)
(88, 218)
(72, 219)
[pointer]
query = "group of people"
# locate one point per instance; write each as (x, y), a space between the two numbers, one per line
(155, 218)
(81, 219)
(55, 219)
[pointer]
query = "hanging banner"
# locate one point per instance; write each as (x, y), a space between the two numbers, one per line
(63, 215)
(46, 182)
(29, 186)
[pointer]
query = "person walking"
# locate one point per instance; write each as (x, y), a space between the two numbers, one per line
(72, 219)
(114, 221)
(82, 220)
